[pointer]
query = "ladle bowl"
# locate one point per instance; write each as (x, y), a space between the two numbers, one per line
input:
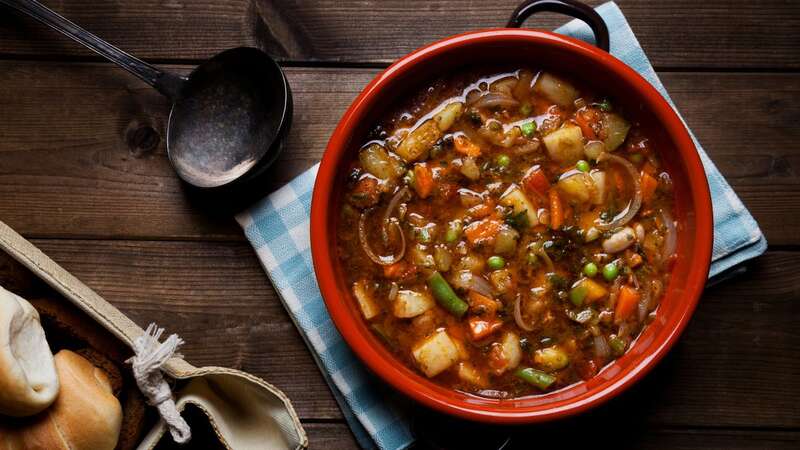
(229, 115)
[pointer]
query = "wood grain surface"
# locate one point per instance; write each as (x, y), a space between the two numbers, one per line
(96, 166)
(675, 33)
(84, 173)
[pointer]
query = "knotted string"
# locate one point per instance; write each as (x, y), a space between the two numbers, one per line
(149, 356)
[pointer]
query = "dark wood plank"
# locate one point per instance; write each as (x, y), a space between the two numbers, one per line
(82, 153)
(336, 436)
(736, 365)
(675, 33)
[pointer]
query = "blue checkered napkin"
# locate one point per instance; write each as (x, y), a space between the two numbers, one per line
(278, 228)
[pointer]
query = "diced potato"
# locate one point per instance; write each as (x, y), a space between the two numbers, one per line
(578, 187)
(471, 262)
(594, 290)
(556, 89)
(419, 141)
(410, 304)
(516, 199)
(565, 145)
(551, 358)
(506, 240)
(511, 350)
(593, 149)
(448, 115)
(469, 374)
(470, 169)
(599, 193)
(435, 354)
(377, 161)
(369, 307)
(616, 130)
(501, 280)
(419, 256)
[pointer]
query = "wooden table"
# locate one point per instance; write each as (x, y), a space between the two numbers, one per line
(84, 174)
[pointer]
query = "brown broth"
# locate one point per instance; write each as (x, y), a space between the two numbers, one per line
(496, 175)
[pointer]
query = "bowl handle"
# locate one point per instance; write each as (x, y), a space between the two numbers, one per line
(571, 8)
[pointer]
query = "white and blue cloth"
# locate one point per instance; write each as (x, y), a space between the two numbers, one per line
(278, 229)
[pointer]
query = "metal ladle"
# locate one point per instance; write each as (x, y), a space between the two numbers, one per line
(228, 118)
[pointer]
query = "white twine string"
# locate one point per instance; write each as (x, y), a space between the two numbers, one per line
(149, 356)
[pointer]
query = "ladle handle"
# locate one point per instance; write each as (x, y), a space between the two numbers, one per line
(167, 83)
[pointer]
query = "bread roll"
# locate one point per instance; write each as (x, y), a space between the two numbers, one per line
(28, 382)
(85, 415)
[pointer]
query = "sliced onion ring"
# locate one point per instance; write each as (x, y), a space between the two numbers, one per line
(382, 260)
(671, 236)
(636, 202)
(494, 99)
(518, 315)
(398, 197)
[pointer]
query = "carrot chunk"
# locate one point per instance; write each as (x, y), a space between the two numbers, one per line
(649, 185)
(481, 305)
(536, 181)
(465, 146)
(626, 303)
(480, 328)
(556, 210)
(481, 230)
(585, 118)
(423, 180)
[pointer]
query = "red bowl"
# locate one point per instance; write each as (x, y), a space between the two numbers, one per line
(594, 68)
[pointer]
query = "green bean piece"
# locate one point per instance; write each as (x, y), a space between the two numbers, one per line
(528, 128)
(578, 294)
(617, 344)
(590, 269)
(582, 165)
(610, 271)
(445, 295)
(496, 262)
(453, 232)
(535, 377)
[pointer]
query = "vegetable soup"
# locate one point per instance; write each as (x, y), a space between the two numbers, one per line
(507, 233)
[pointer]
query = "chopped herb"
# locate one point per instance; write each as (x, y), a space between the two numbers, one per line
(604, 105)
(556, 280)
(526, 109)
(475, 118)
(518, 220)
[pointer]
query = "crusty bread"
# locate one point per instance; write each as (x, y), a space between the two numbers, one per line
(85, 416)
(69, 328)
(28, 382)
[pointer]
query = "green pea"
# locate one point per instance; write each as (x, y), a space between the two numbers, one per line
(503, 160)
(582, 165)
(526, 109)
(610, 271)
(496, 262)
(590, 269)
(578, 294)
(528, 128)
